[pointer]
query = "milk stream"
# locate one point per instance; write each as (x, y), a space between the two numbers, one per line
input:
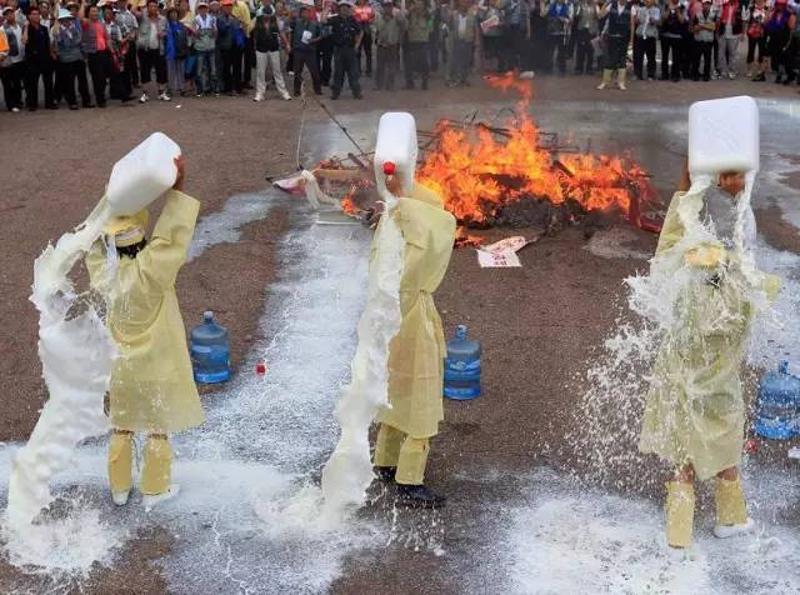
(348, 472)
(77, 354)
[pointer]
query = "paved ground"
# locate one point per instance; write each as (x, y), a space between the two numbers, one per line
(290, 290)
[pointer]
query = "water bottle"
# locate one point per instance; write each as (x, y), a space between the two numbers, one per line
(210, 351)
(462, 367)
(777, 416)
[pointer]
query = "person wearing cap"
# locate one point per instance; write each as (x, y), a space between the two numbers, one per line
(176, 50)
(152, 388)
(390, 25)
(38, 62)
(703, 26)
(231, 42)
(416, 51)
(119, 84)
(268, 39)
(304, 36)
(129, 26)
(205, 47)
(416, 354)
(12, 68)
(150, 38)
(346, 34)
(241, 11)
(66, 48)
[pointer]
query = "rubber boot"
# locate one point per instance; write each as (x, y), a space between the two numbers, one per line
(606, 79)
(679, 509)
(120, 466)
(157, 470)
(732, 516)
(418, 496)
(621, 74)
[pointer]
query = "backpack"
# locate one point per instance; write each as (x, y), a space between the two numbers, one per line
(181, 39)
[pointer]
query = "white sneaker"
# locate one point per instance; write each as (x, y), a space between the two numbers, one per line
(726, 531)
(150, 501)
(732, 75)
(120, 498)
(794, 453)
(526, 75)
(165, 97)
(287, 97)
(14, 110)
(144, 98)
(258, 98)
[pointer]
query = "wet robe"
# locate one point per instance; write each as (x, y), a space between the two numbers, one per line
(152, 386)
(416, 354)
(695, 410)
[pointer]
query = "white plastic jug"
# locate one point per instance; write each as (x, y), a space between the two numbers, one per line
(397, 142)
(724, 136)
(143, 175)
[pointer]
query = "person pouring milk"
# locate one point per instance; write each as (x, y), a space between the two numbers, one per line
(709, 290)
(152, 390)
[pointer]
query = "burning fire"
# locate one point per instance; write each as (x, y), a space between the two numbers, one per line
(478, 173)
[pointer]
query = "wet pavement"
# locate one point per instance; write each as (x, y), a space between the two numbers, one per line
(247, 517)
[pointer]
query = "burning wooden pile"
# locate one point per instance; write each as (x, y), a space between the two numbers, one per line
(515, 175)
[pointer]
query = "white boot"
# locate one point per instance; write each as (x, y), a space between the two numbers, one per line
(151, 500)
(726, 531)
(120, 498)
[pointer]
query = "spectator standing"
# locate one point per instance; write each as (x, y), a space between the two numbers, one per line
(463, 29)
(150, 48)
(305, 34)
(205, 41)
(96, 44)
(517, 34)
(730, 31)
(241, 12)
(389, 31)
(364, 15)
(416, 52)
(38, 62)
(778, 37)
(268, 39)
(491, 32)
(325, 45)
(559, 26)
(114, 61)
(586, 30)
(646, 19)
(12, 68)
(618, 30)
(673, 21)
(704, 26)
(129, 25)
(231, 42)
(756, 16)
(176, 50)
(347, 34)
(68, 45)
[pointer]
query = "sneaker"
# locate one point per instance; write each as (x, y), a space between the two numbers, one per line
(726, 531)
(732, 76)
(385, 473)
(151, 500)
(15, 110)
(418, 496)
(165, 97)
(200, 94)
(144, 98)
(120, 498)
(258, 98)
(526, 75)
(287, 97)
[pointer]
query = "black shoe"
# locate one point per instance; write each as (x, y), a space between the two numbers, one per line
(32, 108)
(385, 473)
(334, 96)
(424, 85)
(359, 96)
(418, 496)
(409, 86)
(51, 106)
(761, 78)
(88, 106)
(73, 107)
(779, 79)
(101, 104)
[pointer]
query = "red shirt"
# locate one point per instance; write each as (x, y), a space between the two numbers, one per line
(363, 14)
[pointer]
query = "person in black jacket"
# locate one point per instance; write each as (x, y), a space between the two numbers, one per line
(267, 38)
(673, 24)
(346, 34)
(38, 62)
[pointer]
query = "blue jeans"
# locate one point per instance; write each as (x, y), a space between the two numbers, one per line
(207, 72)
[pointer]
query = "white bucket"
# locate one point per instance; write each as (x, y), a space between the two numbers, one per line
(143, 175)
(724, 136)
(397, 142)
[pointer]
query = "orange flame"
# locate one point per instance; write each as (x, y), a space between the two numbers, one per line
(348, 206)
(477, 174)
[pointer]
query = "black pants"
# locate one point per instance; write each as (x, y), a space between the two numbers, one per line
(366, 49)
(66, 74)
(249, 61)
(756, 46)
(670, 46)
(131, 66)
(703, 51)
(557, 44)
(325, 60)
(584, 52)
(306, 58)
(388, 64)
(715, 53)
(12, 77)
(644, 48)
(100, 69)
(232, 70)
(345, 63)
(33, 72)
(416, 56)
(516, 54)
(617, 53)
(687, 57)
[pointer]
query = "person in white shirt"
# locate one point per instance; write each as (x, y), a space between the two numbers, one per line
(646, 19)
(12, 68)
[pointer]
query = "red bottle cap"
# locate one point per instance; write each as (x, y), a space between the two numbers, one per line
(261, 367)
(751, 446)
(389, 168)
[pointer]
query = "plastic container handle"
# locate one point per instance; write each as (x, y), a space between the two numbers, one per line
(783, 367)
(461, 331)
(208, 316)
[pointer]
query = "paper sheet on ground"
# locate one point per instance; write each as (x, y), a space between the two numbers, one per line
(502, 254)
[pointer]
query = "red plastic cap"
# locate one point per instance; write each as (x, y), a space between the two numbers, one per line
(389, 168)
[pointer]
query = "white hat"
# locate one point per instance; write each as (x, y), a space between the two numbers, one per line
(63, 13)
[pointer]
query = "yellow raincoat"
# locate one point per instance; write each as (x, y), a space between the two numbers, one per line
(152, 387)
(695, 411)
(416, 354)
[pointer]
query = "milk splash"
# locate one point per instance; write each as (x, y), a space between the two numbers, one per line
(348, 472)
(77, 354)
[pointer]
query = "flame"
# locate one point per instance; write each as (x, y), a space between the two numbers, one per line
(348, 206)
(478, 172)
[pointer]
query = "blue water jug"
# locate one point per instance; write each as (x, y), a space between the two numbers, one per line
(778, 405)
(210, 351)
(462, 367)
